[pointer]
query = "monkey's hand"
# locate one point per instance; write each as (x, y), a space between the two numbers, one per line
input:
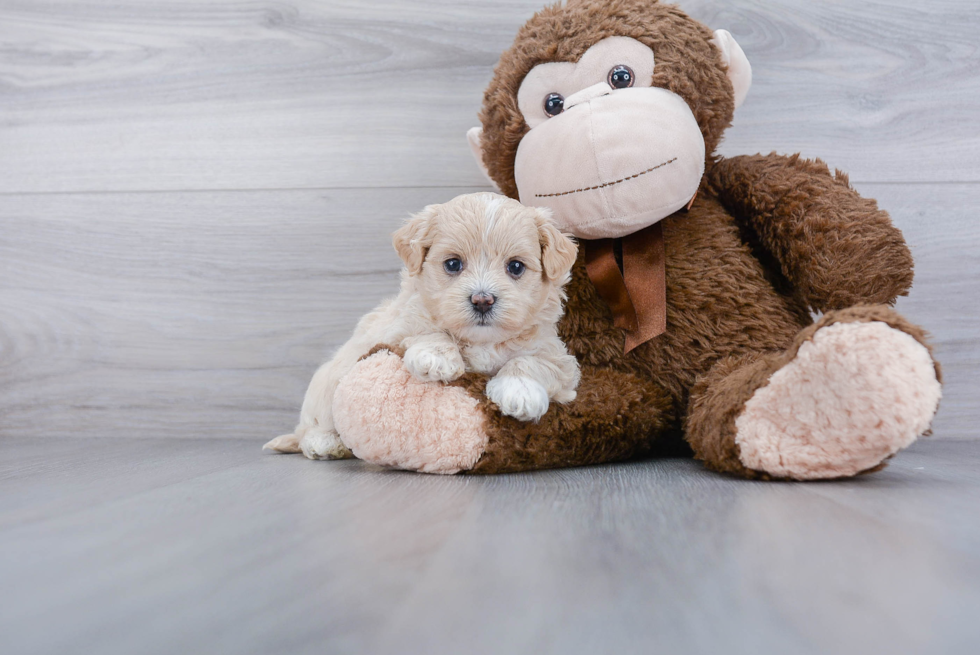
(835, 248)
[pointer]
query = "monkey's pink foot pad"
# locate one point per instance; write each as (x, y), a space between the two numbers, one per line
(386, 416)
(855, 394)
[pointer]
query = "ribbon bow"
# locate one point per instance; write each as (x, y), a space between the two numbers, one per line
(637, 295)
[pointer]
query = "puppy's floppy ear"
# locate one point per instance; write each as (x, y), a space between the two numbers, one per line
(413, 239)
(558, 251)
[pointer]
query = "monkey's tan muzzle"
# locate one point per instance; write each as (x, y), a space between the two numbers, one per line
(614, 162)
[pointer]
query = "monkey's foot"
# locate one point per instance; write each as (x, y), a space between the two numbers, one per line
(854, 394)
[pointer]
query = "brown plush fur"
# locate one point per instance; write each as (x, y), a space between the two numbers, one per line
(768, 239)
(834, 247)
(592, 426)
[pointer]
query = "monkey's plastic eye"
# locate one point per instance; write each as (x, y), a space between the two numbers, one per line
(554, 104)
(515, 268)
(621, 77)
(453, 266)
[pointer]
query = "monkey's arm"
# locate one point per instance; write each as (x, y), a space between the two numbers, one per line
(389, 417)
(615, 416)
(836, 248)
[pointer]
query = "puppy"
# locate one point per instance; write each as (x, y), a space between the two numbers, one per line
(481, 291)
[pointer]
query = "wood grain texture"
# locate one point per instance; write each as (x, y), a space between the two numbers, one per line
(109, 95)
(195, 315)
(204, 314)
(159, 546)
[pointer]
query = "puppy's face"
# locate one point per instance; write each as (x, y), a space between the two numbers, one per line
(487, 267)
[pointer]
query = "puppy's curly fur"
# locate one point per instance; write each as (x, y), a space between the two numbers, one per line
(481, 292)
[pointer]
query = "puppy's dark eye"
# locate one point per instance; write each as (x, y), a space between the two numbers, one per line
(453, 266)
(554, 104)
(515, 268)
(621, 77)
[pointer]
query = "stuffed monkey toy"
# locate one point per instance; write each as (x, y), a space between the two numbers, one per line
(691, 305)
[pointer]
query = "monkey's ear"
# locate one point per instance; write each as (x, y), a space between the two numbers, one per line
(413, 239)
(739, 69)
(475, 136)
(558, 251)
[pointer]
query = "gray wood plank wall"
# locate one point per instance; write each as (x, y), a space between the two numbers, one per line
(195, 198)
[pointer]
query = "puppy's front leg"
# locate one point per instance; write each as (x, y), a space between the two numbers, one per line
(433, 357)
(525, 385)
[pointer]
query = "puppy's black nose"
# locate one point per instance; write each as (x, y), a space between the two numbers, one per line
(482, 302)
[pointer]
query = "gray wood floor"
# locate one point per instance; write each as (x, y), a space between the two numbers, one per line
(122, 545)
(195, 203)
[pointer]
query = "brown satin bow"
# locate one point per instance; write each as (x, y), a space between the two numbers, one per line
(637, 296)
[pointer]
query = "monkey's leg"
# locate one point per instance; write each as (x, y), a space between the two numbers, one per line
(852, 390)
(388, 417)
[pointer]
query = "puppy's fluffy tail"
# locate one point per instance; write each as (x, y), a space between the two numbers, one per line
(286, 443)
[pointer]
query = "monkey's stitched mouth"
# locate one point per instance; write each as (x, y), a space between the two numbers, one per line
(605, 184)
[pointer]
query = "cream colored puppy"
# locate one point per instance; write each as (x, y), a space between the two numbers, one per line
(481, 291)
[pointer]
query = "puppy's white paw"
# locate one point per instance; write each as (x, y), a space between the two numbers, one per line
(523, 398)
(426, 363)
(324, 445)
